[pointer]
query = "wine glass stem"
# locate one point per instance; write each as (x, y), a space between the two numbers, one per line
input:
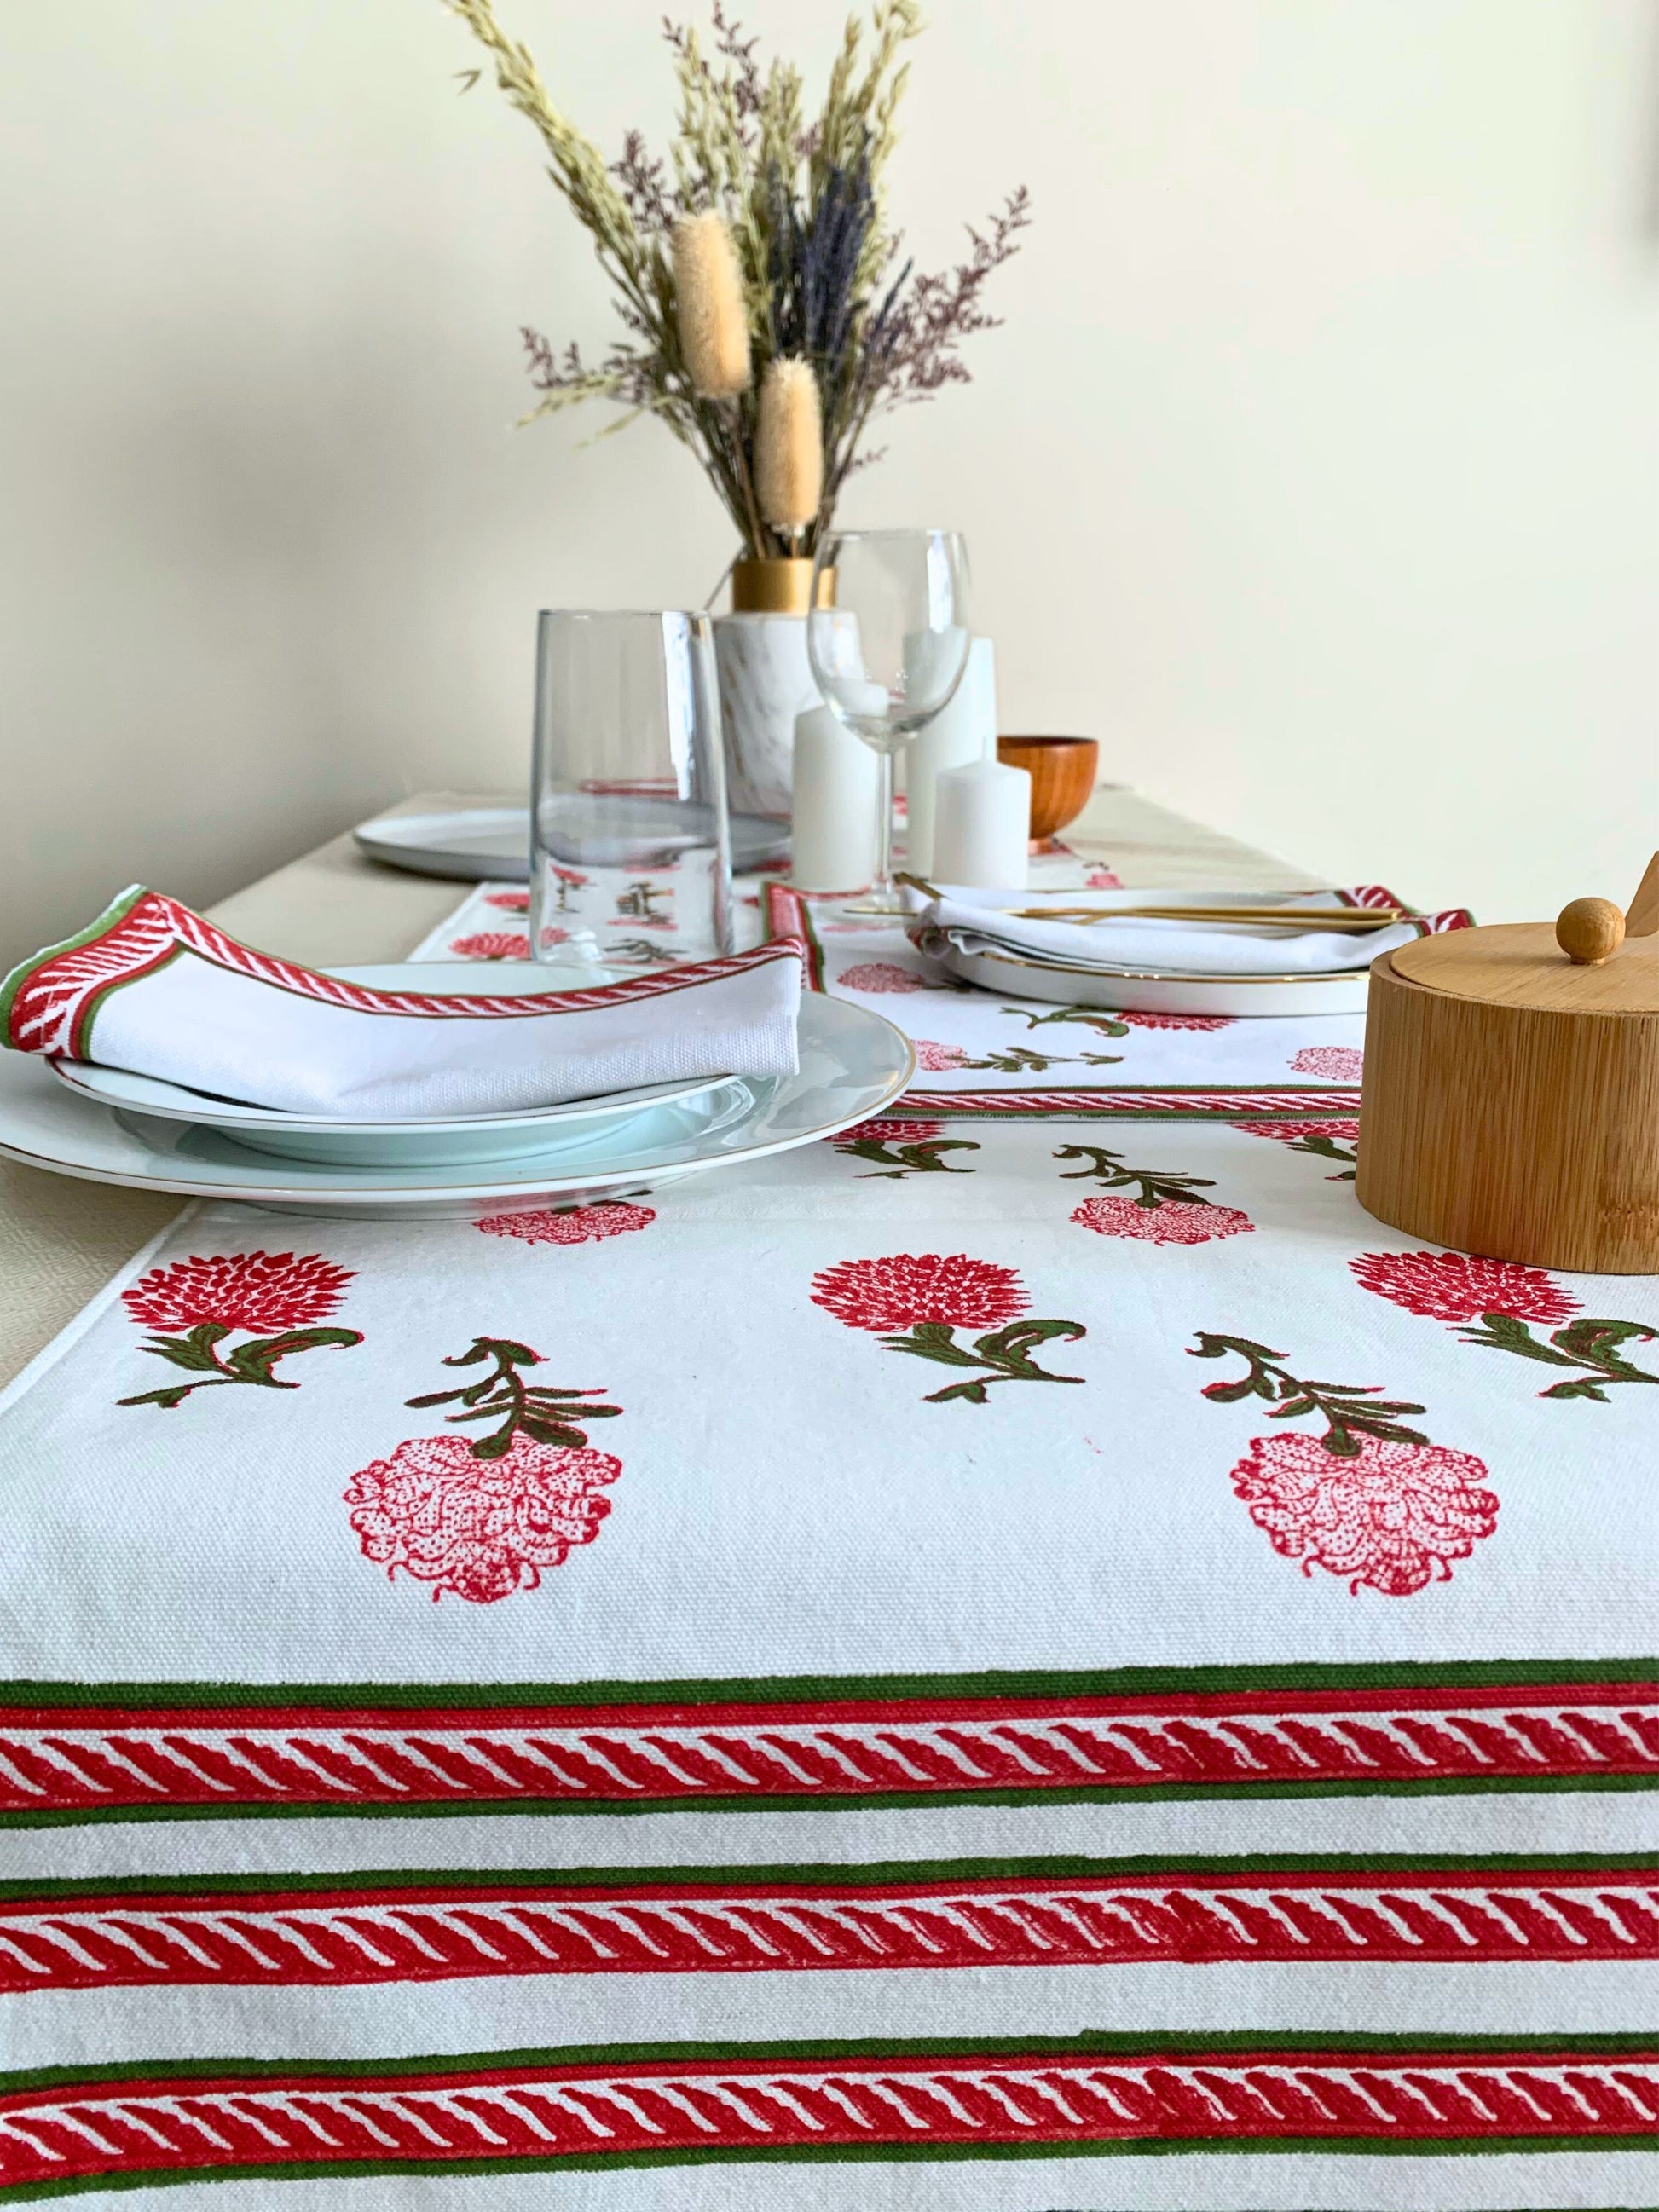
(882, 893)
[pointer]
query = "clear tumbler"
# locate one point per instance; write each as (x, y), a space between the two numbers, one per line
(630, 842)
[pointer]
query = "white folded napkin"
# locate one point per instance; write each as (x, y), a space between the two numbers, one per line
(977, 922)
(153, 988)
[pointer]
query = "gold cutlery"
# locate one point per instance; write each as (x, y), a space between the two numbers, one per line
(1355, 921)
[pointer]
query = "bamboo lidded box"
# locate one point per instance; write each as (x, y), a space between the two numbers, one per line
(1510, 1105)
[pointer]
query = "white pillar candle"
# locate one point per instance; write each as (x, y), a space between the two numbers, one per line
(982, 826)
(965, 730)
(835, 804)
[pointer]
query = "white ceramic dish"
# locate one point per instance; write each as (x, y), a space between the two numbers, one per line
(473, 844)
(853, 1064)
(409, 1143)
(1040, 975)
(491, 844)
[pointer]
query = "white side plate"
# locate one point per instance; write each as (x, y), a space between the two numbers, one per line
(491, 844)
(474, 844)
(1023, 975)
(1139, 990)
(853, 1064)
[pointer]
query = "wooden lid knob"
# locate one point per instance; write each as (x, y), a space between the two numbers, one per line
(1590, 930)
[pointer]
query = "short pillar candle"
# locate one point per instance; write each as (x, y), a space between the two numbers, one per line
(982, 826)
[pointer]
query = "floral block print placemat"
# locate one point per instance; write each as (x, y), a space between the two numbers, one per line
(494, 1705)
(980, 1053)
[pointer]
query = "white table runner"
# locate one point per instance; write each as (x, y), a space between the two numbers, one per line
(1002, 1661)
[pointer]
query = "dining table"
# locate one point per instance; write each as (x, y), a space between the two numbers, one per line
(1027, 1656)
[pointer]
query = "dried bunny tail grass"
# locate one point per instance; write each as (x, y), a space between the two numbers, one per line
(714, 320)
(789, 445)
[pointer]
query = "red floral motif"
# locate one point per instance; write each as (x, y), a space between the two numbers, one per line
(1392, 1516)
(935, 1059)
(479, 1528)
(879, 976)
(569, 1224)
(245, 1290)
(1337, 1063)
(882, 1131)
(1455, 1287)
(1176, 1021)
(1176, 1221)
(554, 937)
(509, 902)
(1292, 1132)
(492, 945)
(899, 1291)
(1102, 879)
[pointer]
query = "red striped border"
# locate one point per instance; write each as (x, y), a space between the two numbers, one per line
(787, 914)
(496, 2112)
(83, 1761)
(1197, 1103)
(428, 1927)
(49, 1001)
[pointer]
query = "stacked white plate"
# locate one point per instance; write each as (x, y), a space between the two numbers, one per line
(1018, 972)
(105, 1126)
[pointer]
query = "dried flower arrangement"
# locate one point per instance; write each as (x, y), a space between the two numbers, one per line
(765, 322)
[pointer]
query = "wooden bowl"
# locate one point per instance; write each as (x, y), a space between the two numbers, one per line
(1062, 771)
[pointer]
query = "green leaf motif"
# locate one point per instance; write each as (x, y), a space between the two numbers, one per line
(1587, 1342)
(1154, 1187)
(1349, 1410)
(541, 1411)
(918, 1156)
(1003, 1355)
(250, 1362)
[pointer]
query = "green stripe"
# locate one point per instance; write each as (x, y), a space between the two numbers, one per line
(785, 1689)
(116, 911)
(1339, 1866)
(840, 2154)
(814, 947)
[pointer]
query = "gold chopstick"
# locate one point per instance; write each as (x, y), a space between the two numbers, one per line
(1354, 919)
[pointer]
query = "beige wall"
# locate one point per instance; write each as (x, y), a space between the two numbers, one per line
(1317, 470)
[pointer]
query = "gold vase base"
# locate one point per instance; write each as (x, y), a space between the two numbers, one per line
(778, 587)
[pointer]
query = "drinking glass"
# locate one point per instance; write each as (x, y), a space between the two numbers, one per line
(630, 842)
(906, 592)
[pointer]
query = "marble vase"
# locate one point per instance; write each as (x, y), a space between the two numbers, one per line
(765, 681)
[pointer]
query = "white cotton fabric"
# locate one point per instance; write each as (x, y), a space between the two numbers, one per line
(979, 921)
(760, 1527)
(236, 1036)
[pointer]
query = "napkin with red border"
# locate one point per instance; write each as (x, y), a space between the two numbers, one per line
(155, 989)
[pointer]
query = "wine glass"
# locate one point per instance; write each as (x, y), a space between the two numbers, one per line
(907, 593)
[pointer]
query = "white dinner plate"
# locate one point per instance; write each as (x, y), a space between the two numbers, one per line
(491, 844)
(852, 1064)
(394, 1142)
(1140, 990)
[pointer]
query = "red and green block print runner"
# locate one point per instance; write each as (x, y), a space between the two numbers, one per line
(75, 1753)
(331, 1931)
(636, 2105)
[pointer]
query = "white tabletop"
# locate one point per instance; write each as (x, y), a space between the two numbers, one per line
(61, 1240)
